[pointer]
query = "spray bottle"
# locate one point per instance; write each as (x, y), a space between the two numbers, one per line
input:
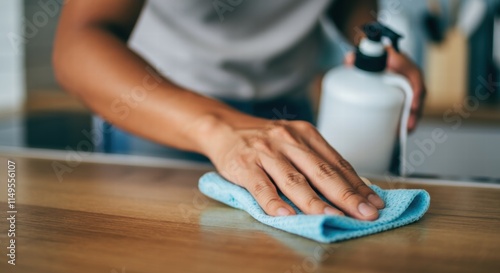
(363, 106)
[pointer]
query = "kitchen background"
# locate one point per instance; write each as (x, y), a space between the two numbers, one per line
(456, 42)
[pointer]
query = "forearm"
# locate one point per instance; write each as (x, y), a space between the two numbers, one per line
(351, 15)
(120, 86)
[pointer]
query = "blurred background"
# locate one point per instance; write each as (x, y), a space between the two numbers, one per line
(455, 42)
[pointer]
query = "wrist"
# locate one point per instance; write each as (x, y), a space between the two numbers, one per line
(212, 131)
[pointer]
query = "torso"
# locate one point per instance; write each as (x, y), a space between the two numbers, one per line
(235, 49)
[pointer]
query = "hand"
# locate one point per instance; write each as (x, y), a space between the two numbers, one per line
(293, 157)
(400, 63)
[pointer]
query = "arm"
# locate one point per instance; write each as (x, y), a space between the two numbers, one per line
(93, 62)
(350, 16)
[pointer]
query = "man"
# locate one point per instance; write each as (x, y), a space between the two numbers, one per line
(224, 64)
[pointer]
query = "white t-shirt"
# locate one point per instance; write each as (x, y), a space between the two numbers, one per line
(234, 49)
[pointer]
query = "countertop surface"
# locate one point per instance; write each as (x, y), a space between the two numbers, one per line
(124, 219)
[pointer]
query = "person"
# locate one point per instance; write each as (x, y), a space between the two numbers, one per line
(220, 70)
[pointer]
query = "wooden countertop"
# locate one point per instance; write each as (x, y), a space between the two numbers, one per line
(123, 219)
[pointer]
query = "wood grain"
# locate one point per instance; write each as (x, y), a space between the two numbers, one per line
(123, 219)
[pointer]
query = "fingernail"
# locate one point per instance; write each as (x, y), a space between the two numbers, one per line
(366, 209)
(283, 212)
(331, 211)
(375, 200)
(366, 181)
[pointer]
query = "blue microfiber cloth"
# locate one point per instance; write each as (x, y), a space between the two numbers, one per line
(402, 207)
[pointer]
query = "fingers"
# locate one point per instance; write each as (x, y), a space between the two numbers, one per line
(403, 65)
(336, 183)
(263, 190)
(418, 88)
(295, 186)
(412, 122)
(321, 147)
(349, 58)
(359, 185)
(293, 157)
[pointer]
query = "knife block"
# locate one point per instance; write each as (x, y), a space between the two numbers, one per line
(446, 72)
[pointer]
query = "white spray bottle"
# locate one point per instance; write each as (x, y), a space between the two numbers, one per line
(362, 106)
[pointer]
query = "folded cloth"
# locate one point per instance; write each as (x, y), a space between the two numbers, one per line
(402, 207)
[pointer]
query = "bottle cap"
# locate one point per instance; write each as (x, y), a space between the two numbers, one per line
(371, 54)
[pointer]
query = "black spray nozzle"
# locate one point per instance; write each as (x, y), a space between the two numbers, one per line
(375, 31)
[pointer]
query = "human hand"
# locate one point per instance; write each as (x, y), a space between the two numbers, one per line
(293, 157)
